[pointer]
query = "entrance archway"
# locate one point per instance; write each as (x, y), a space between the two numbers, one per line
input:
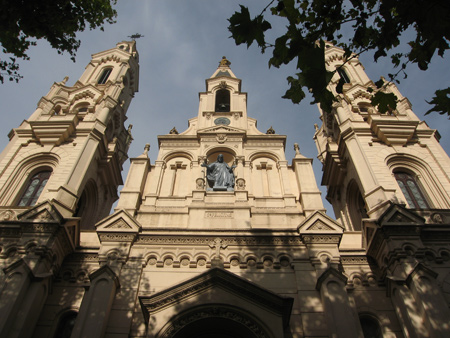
(215, 328)
(216, 321)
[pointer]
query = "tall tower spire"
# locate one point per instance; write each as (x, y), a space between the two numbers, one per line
(71, 149)
(371, 160)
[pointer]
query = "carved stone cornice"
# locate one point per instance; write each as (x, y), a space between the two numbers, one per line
(205, 240)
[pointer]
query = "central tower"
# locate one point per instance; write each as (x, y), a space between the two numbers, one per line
(266, 192)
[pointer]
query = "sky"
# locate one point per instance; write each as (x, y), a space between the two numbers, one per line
(182, 45)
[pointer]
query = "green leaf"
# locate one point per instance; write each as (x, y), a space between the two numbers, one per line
(379, 83)
(295, 93)
(441, 102)
(245, 30)
(384, 102)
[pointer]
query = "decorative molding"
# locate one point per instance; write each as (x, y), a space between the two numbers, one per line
(8, 215)
(43, 212)
(354, 260)
(119, 224)
(116, 237)
(330, 239)
(205, 240)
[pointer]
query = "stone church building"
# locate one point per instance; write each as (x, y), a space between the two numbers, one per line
(222, 236)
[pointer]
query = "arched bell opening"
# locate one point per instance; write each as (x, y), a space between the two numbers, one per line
(222, 100)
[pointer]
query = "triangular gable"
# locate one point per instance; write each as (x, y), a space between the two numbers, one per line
(120, 221)
(320, 223)
(398, 215)
(43, 212)
(227, 282)
(221, 129)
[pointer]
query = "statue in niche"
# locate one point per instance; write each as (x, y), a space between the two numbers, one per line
(220, 175)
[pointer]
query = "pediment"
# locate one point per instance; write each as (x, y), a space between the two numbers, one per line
(217, 286)
(44, 212)
(120, 221)
(398, 215)
(221, 129)
(320, 223)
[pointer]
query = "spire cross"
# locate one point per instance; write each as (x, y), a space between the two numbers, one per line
(218, 244)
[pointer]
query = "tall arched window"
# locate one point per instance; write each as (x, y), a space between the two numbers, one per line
(223, 100)
(87, 207)
(343, 74)
(65, 325)
(370, 327)
(356, 206)
(104, 76)
(410, 189)
(34, 188)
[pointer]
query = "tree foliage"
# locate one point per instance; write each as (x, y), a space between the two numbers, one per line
(376, 26)
(23, 22)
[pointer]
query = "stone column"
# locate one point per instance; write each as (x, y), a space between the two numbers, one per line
(310, 195)
(240, 167)
(96, 305)
(342, 114)
(155, 183)
(105, 111)
(131, 194)
(285, 182)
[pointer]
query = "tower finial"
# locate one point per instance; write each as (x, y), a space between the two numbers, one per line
(224, 62)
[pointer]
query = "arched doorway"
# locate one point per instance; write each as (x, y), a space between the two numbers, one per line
(215, 328)
(213, 321)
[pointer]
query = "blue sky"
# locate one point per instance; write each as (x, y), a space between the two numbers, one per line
(182, 45)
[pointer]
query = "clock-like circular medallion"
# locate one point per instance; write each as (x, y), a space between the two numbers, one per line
(222, 120)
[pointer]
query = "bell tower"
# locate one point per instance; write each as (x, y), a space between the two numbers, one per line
(372, 160)
(70, 151)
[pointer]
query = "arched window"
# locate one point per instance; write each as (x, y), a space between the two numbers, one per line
(104, 76)
(342, 73)
(34, 188)
(370, 327)
(356, 206)
(87, 207)
(223, 100)
(410, 189)
(65, 325)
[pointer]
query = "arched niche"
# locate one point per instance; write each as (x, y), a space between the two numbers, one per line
(228, 155)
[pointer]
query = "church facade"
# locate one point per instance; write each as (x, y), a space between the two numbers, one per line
(222, 236)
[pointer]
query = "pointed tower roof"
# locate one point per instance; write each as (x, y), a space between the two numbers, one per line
(224, 76)
(223, 69)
